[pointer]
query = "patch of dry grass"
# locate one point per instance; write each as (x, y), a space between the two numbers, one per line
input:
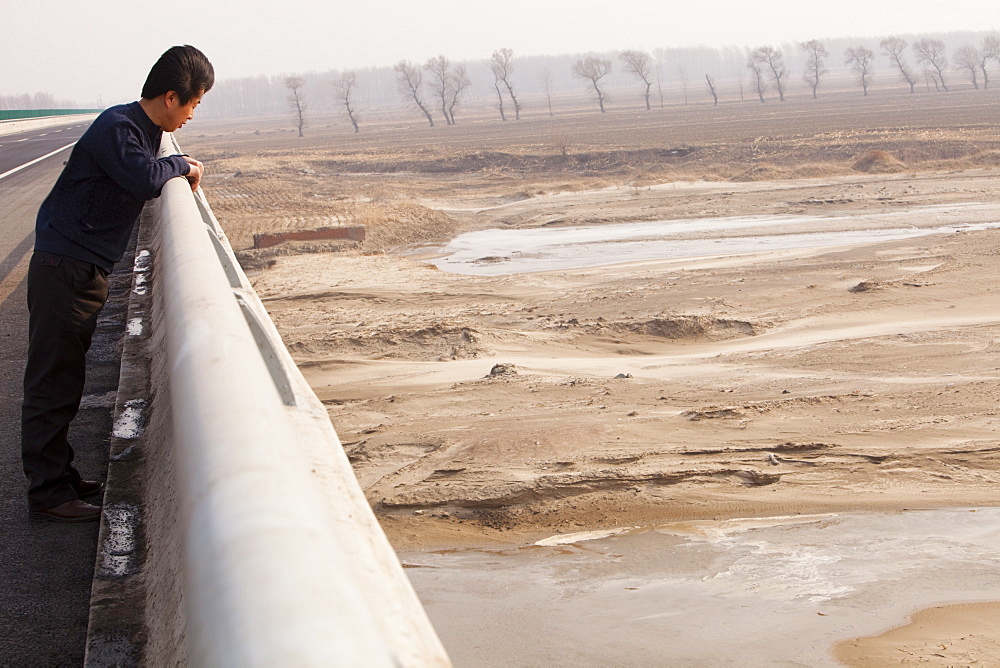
(986, 159)
(763, 172)
(389, 226)
(879, 162)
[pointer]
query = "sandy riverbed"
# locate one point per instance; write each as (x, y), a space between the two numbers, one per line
(499, 410)
(791, 381)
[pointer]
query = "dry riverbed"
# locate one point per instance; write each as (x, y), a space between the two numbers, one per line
(498, 410)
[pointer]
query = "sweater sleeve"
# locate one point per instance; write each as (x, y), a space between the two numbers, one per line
(120, 153)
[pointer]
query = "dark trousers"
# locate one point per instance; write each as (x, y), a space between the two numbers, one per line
(65, 297)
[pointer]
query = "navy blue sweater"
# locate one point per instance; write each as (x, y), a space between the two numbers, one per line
(112, 171)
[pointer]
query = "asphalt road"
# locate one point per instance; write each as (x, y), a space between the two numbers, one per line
(45, 569)
(19, 149)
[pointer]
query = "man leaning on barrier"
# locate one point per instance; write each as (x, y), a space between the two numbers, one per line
(82, 230)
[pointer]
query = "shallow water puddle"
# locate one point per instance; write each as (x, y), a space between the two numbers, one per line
(748, 592)
(497, 252)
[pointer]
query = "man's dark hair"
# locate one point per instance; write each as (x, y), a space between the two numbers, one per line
(182, 69)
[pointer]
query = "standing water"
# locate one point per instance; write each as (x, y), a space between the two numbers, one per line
(743, 592)
(497, 252)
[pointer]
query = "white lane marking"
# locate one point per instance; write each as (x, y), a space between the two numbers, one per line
(29, 164)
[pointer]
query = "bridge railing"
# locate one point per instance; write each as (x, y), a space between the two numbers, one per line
(283, 561)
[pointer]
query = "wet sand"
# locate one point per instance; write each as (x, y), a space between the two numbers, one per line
(963, 634)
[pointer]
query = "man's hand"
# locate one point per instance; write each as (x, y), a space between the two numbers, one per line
(195, 174)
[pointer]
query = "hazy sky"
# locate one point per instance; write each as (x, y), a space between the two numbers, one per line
(79, 50)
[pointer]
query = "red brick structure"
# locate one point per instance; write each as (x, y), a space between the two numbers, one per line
(350, 233)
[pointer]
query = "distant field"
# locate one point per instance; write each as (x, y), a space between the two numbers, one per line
(333, 174)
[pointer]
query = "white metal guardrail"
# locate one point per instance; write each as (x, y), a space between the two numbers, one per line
(284, 562)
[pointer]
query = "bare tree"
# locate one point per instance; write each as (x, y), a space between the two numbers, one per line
(816, 55)
(756, 68)
(893, 49)
(658, 65)
(496, 86)
(990, 51)
(711, 89)
(593, 69)
(297, 100)
(682, 73)
(967, 58)
(930, 77)
(773, 63)
(637, 62)
(459, 80)
(991, 46)
(410, 81)
(346, 84)
(547, 86)
(930, 53)
(440, 84)
(860, 58)
(502, 64)
(733, 60)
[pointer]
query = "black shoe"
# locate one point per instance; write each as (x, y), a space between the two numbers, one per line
(71, 511)
(86, 488)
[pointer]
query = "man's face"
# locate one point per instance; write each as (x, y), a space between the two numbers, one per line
(178, 114)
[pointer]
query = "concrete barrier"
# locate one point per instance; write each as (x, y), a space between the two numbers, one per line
(26, 124)
(282, 561)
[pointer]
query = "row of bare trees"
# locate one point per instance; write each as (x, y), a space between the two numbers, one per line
(447, 81)
(448, 84)
(766, 63)
(974, 60)
(346, 85)
(37, 101)
(501, 64)
(930, 55)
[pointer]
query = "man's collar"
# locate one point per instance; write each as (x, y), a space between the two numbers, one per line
(143, 119)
